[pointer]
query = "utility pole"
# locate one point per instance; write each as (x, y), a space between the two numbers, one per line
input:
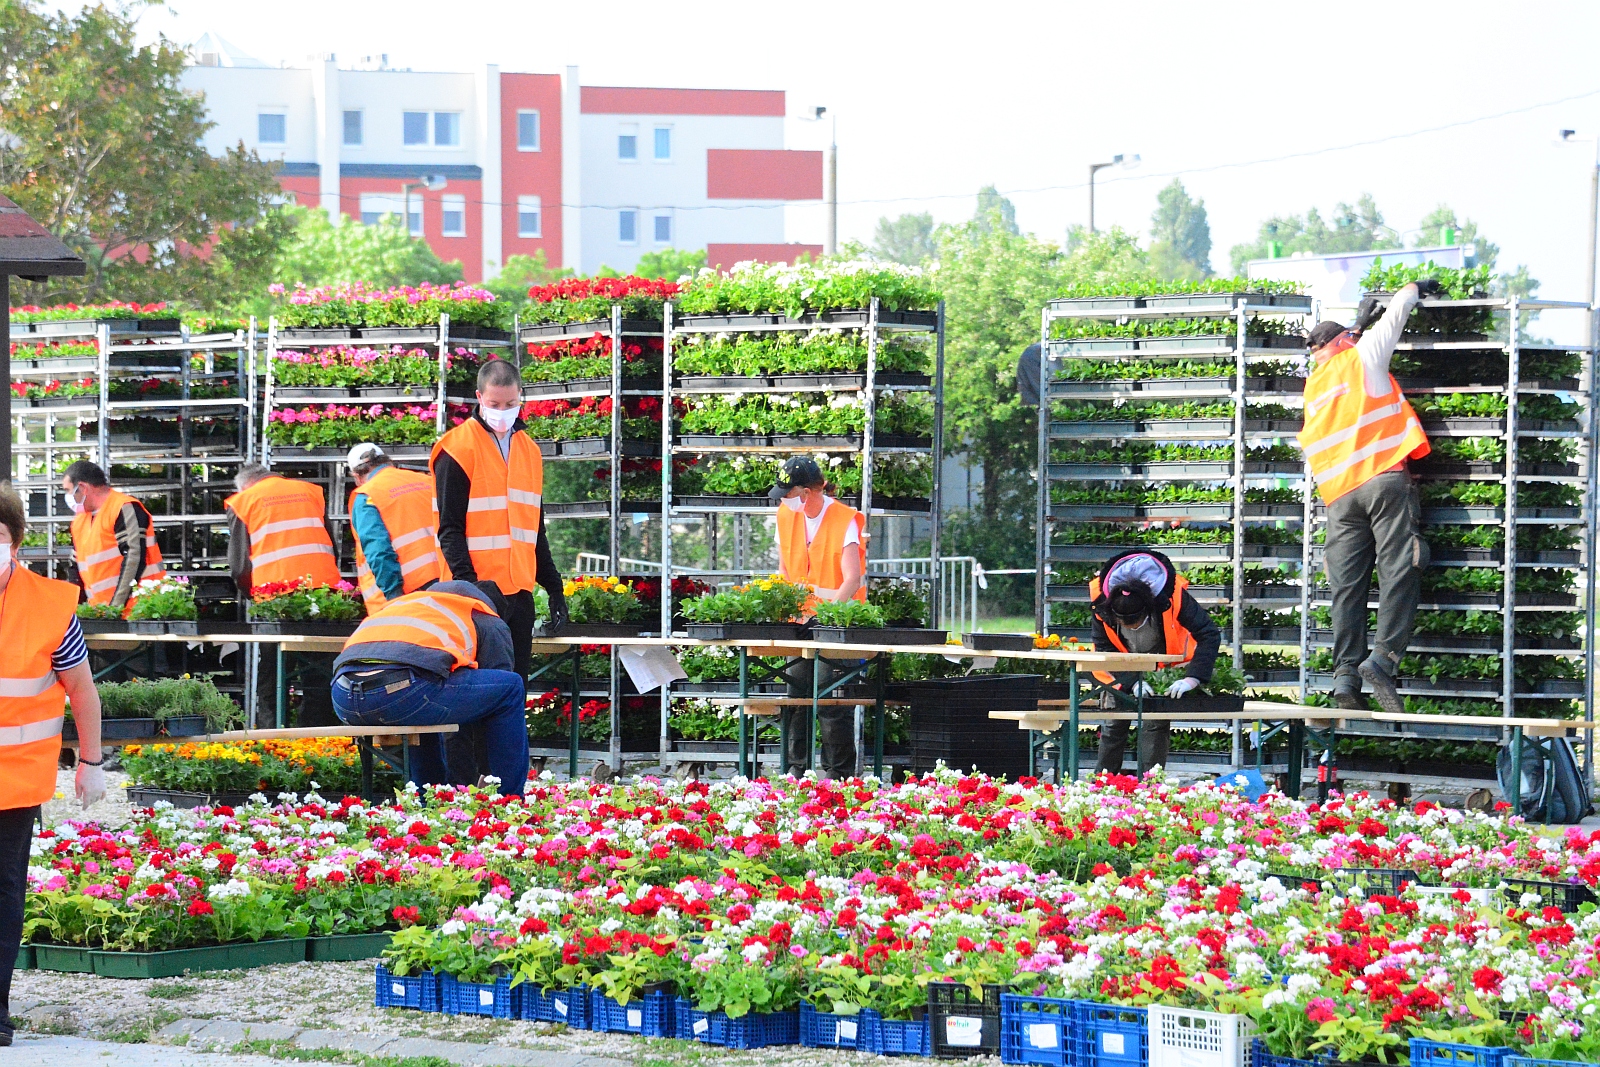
(831, 244)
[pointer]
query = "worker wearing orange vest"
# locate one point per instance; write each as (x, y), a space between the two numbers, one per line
(1142, 604)
(396, 528)
(113, 537)
(45, 664)
(1359, 437)
(821, 542)
(440, 655)
(278, 531)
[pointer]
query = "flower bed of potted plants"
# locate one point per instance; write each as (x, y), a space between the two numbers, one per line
(764, 609)
(102, 619)
(585, 363)
(601, 607)
(175, 707)
(361, 370)
(24, 352)
(56, 393)
(331, 429)
(589, 417)
(550, 722)
(399, 313)
(298, 607)
(808, 291)
(122, 317)
(865, 623)
(572, 302)
(899, 482)
(161, 606)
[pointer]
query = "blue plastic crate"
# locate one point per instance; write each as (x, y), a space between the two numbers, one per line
(1443, 1054)
(1109, 1035)
(755, 1030)
(1528, 1061)
(650, 1017)
(1035, 1030)
(568, 1006)
(821, 1030)
(417, 991)
(495, 999)
(1260, 1057)
(895, 1037)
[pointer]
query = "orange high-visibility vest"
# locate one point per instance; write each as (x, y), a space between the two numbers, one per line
(1178, 640)
(1350, 437)
(440, 621)
(94, 543)
(503, 509)
(288, 538)
(404, 500)
(32, 699)
(818, 564)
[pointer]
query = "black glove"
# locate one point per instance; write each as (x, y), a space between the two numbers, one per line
(1427, 287)
(497, 598)
(558, 616)
(1370, 311)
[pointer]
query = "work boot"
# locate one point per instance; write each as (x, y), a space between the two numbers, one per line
(1374, 670)
(1347, 693)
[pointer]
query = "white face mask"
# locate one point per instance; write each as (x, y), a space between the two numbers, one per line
(77, 503)
(7, 554)
(794, 503)
(499, 419)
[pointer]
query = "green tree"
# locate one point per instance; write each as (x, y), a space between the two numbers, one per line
(103, 146)
(670, 263)
(1354, 229)
(1180, 236)
(521, 273)
(1431, 232)
(995, 210)
(323, 252)
(907, 239)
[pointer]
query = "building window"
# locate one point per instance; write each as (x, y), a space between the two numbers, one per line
(664, 142)
(527, 131)
(529, 223)
(352, 129)
(628, 143)
(415, 125)
(413, 207)
(627, 226)
(377, 206)
(453, 216)
(663, 229)
(446, 128)
(272, 127)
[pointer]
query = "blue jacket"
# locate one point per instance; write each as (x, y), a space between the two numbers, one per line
(375, 546)
(494, 643)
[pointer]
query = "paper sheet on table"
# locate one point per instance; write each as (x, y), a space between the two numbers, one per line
(650, 666)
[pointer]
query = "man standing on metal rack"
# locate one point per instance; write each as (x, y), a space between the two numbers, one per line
(278, 532)
(1360, 436)
(113, 537)
(396, 528)
(488, 479)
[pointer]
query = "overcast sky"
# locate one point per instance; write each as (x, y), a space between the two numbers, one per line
(936, 99)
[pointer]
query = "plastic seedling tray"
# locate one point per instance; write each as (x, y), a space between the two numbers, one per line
(173, 962)
(1466, 427)
(469, 332)
(70, 959)
(140, 796)
(745, 631)
(817, 440)
(1274, 511)
(103, 626)
(1560, 687)
(713, 440)
(322, 333)
(1089, 346)
(343, 948)
(1567, 896)
(588, 328)
(184, 726)
(1096, 303)
(1275, 384)
(745, 319)
(1272, 551)
(122, 729)
(602, 630)
(399, 333)
(1271, 467)
(888, 635)
(163, 626)
(1274, 635)
(998, 642)
(1473, 515)
(305, 628)
(1153, 386)
(397, 392)
(311, 392)
(1273, 425)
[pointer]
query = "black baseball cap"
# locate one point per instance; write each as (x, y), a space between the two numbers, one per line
(1322, 333)
(799, 472)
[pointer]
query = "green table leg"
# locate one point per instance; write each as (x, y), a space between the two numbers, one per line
(1297, 756)
(577, 689)
(1516, 770)
(877, 717)
(744, 721)
(283, 687)
(1072, 721)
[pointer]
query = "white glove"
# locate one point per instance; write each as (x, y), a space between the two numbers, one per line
(90, 783)
(1182, 686)
(1141, 688)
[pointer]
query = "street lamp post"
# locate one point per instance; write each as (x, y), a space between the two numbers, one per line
(1127, 162)
(1571, 137)
(431, 182)
(830, 179)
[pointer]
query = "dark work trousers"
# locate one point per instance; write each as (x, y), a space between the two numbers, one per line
(468, 750)
(836, 723)
(1155, 742)
(16, 835)
(1375, 523)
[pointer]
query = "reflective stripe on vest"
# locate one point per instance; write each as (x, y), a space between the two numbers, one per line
(32, 698)
(1175, 638)
(405, 505)
(288, 539)
(99, 556)
(1350, 437)
(819, 563)
(441, 621)
(503, 506)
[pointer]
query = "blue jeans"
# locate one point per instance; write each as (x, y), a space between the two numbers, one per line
(497, 699)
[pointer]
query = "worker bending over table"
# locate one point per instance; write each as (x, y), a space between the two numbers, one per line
(434, 657)
(1359, 438)
(278, 532)
(395, 525)
(1142, 604)
(488, 479)
(45, 663)
(113, 537)
(821, 542)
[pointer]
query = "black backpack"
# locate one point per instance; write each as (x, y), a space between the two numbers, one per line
(1552, 784)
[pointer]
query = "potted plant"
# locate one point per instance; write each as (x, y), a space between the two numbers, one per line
(298, 607)
(177, 707)
(601, 607)
(163, 605)
(863, 622)
(765, 609)
(101, 619)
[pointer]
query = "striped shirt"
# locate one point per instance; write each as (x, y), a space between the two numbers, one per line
(72, 651)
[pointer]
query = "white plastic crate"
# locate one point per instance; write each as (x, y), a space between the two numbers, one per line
(1183, 1037)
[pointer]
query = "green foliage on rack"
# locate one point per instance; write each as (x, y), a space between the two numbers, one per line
(1470, 449)
(1156, 287)
(1164, 452)
(357, 365)
(1461, 283)
(856, 613)
(892, 475)
(1087, 329)
(831, 351)
(900, 603)
(1141, 412)
(1097, 370)
(1490, 494)
(806, 287)
(1109, 534)
(805, 413)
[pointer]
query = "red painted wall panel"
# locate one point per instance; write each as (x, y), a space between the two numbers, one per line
(722, 257)
(763, 174)
(531, 173)
(613, 100)
(305, 190)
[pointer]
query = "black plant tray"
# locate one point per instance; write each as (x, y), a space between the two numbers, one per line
(746, 631)
(1165, 428)
(397, 392)
(1094, 472)
(556, 331)
(122, 729)
(89, 401)
(1273, 425)
(1137, 512)
(311, 392)
(82, 326)
(887, 635)
(883, 380)
(184, 726)
(325, 333)
(1098, 553)
(724, 687)
(103, 626)
(716, 440)
(163, 626)
(858, 317)
(1263, 592)
(1096, 303)
(1277, 384)
(814, 440)
(998, 642)
(1566, 687)
(588, 386)
(603, 630)
(1067, 388)
(729, 320)
(305, 628)
(399, 333)
(290, 453)
(1464, 427)
(469, 332)
(1273, 635)
(142, 796)
(595, 446)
